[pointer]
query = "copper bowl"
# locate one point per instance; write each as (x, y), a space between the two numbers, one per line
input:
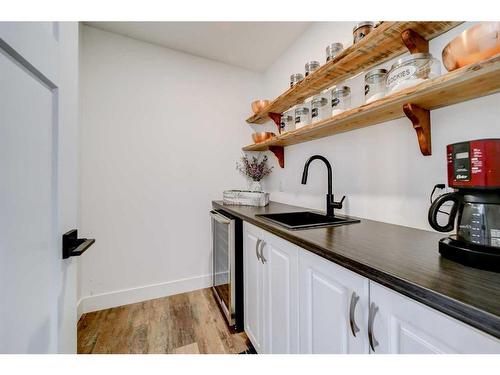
(259, 105)
(475, 44)
(262, 136)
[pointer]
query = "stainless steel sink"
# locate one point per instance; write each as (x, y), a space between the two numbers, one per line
(307, 220)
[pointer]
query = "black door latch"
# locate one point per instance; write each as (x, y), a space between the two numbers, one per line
(73, 246)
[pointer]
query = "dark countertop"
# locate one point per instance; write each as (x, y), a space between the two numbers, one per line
(401, 258)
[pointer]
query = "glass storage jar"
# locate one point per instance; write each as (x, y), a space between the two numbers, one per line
(375, 85)
(361, 30)
(333, 50)
(302, 116)
(296, 78)
(320, 109)
(311, 66)
(287, 122)
(411, 70)
(341, 99)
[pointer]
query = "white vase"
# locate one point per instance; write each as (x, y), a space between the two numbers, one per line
(254, 185)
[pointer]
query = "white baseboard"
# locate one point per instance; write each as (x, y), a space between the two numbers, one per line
(124, 297)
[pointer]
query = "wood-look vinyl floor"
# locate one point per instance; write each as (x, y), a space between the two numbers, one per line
(188, 323)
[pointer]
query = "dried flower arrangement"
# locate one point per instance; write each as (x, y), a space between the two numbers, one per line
(254, 169)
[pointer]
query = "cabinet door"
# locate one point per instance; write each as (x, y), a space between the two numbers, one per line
(404, 326)
(253, 288)
(326, 291)
(281, 306)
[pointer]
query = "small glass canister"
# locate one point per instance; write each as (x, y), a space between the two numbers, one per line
(320, 109)
(361, 30)
(302, 116)
(375, 85)
(333, 50)
(287, 122)
(311, 66)
(296, 78)
(411, 70)
(341, 99)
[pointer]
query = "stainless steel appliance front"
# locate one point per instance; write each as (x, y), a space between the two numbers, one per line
(223, 250)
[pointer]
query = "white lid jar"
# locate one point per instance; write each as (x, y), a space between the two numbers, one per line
(375, 85)
(333, 50)
(296, 78)
(311, 66)
(341, 99)
(287, 122)
(411, 70)
(320, 110)
(302, 116)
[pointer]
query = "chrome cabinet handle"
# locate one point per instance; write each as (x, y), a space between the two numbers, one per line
(371, 317)
(257, 249)
(262, 259)
(352, 309)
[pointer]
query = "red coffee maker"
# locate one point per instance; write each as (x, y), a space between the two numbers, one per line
(474, 171)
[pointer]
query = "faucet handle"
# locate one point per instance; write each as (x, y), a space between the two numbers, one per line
(339, 205)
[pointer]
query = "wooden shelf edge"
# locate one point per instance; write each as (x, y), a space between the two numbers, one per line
(463, 84)
(365, 54)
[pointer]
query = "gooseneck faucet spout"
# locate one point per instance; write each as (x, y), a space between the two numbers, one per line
(330, 202)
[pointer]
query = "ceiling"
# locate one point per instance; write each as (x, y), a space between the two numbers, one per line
(250, 45)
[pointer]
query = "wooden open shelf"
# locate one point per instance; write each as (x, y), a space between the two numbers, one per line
(382, 44)
(467, 83)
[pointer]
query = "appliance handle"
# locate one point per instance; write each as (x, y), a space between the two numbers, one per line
(435, 209)
(352, 309)
(219, 218)
(371, 318)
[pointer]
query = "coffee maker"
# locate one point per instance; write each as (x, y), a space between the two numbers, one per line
(474, 171)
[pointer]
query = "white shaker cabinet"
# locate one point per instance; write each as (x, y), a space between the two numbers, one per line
(400, 325)
(333, 307)
(253, 294)
(271, 292)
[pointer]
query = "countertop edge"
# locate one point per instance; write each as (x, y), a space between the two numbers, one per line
(475, 317)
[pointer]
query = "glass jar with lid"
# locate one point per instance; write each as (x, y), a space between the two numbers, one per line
(361, 30)
(311, 66)
(287, 122)
(375, 85)
(302, 116)
(320, 109)
(341, 99)
(411, 70)
(296, 78)
(333, 50)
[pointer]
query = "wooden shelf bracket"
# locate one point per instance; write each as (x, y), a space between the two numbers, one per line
(421, 120)
(276, 117)
(414, 42)
(279, 152)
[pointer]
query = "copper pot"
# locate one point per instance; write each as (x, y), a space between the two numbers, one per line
(259, 105)
(262, 136)
(475, 44)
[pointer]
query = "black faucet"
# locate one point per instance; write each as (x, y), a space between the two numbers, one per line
(330, 202)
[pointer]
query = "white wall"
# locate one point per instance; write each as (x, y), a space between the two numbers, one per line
(380, 168)
(160, 134)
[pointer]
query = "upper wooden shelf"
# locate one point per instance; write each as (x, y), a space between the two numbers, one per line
(382, 44)
(467, 83)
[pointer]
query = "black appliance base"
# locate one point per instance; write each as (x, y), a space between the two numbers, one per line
(470, 255)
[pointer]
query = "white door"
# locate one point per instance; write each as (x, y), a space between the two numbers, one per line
(38, 106)
(253, 287)
(404, 326)
(333, 307)
(281, 307)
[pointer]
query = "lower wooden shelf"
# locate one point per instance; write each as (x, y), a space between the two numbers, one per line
(463, 84)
